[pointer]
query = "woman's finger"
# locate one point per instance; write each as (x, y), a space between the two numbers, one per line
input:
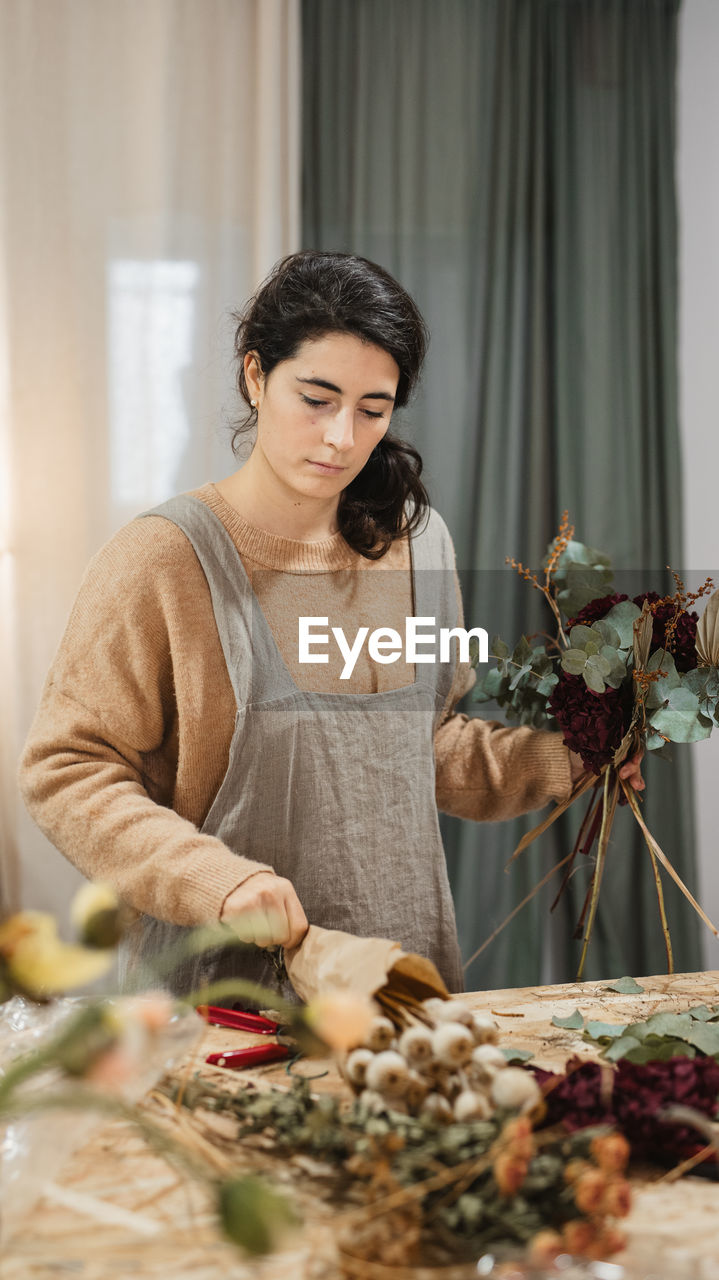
(297, 923)
(271, 926)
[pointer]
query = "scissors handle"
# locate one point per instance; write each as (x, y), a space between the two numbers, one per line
(237, 1019)
(252, 1057)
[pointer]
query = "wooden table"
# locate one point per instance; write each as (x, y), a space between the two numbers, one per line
(120, 1211)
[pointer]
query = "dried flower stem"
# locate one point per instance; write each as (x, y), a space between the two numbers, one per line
(517, 909)
(609, 804)
(634, 803)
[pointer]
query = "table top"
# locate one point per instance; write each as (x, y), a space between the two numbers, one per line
(118, 1210)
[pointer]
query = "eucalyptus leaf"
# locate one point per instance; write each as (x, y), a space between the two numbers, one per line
(702, 1013)
(659, 691)
(620, 1047)
(622, 617)
(609, 633)
(658, 1049)
(522, 652)
(697, 680)
(574, 661)
(581, 637)
(705, 1037)
(626, 986)
(489, 686)
(517, 1055)
(595, 670)
(681, 719)
(663, 1024)
(499, 648)
(582, 574)
(547, 683)
(604, 1030)
(574, 1022)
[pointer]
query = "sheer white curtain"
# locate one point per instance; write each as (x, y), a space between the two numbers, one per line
(149, 160)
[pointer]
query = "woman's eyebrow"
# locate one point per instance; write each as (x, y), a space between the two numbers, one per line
(331, 386)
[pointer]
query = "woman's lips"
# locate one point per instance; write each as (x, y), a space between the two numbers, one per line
(326, 467)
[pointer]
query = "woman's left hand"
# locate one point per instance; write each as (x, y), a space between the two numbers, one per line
(631, 770)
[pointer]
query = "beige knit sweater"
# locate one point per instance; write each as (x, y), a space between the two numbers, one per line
(131, 739)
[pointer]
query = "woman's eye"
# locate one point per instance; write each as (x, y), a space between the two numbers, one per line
(371, 413)
(316, 404)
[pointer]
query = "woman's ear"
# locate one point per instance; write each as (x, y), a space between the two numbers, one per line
(254, 377)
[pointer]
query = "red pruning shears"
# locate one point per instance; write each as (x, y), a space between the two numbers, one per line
(239, 1020)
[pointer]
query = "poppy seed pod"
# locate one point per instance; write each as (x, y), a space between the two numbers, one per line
(380, 1035)
(417, 1090)
(515, 1089)
(373, 1101)
(355, 1068)
(469, 1106)
(415, 1044)
(452, 1044)
(484, 1029)
(388, 1073)
(455, 1011)
(485, 1062)
(436, 1107)
(434, 1006)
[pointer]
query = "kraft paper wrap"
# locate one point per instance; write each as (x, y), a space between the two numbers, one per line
(329, 960)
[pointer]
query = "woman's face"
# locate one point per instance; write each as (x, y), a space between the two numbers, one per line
(320, 414)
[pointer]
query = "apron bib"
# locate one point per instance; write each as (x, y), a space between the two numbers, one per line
(335, 791)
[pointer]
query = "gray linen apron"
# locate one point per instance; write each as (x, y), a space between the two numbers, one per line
(334, 791)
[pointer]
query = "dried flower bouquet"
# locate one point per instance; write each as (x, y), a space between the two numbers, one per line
(620, 676)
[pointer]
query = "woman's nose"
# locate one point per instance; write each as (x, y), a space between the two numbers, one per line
(339, 431)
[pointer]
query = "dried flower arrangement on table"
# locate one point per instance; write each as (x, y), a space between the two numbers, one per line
(618, 677)
(447, 1149)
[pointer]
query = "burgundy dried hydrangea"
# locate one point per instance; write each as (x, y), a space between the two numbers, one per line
(593, 724)
(685, 635)
(636, 1094)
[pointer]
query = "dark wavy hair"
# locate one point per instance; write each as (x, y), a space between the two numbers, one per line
(311, 294)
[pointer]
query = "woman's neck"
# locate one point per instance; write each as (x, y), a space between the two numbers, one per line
(284, 514)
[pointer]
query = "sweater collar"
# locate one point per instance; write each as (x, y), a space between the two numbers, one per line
(275, 552)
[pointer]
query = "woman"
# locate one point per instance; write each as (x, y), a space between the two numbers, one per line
(184, 753)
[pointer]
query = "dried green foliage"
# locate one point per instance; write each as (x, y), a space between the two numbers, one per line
(476, 1184)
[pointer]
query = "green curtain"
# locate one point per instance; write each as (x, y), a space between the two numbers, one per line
(512, 162)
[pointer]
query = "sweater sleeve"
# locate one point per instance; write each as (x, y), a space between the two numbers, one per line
(488, 771)
(91, 769)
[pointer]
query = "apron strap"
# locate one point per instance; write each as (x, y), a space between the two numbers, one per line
(435, 593)
(241, 624)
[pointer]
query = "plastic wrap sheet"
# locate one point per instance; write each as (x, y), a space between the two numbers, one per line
(34, 1148)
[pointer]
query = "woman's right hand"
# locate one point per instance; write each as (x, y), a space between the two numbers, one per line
(266, 910)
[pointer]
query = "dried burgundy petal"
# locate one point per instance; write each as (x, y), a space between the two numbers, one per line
(685, 635)
(639, 1092)
(593, 724)
(595, 610)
